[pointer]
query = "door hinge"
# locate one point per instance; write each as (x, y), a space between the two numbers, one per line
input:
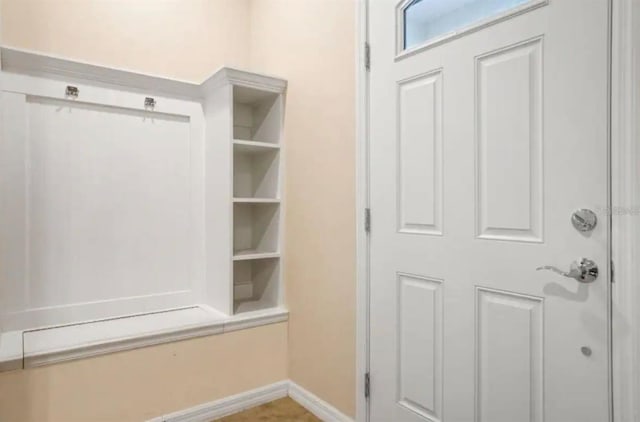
(613, 272)
(367, 220)
(367, 56)
(367, 385)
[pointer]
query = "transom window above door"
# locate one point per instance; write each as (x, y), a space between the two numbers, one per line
(425, 22)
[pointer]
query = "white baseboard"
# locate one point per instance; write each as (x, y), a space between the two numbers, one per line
(316, 405)
(228, 405)
(239, 402)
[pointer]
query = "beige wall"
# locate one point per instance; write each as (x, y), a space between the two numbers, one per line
(308, 42)
(183, 39)
(149, 382)
(311, 43)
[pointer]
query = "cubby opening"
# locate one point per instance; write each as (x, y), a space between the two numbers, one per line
(255, 171)
(256, 284)
(255, 228)
(256, 115)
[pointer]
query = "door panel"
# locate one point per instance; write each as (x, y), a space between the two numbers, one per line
(420, 345)
(481, 148)
(509, 143)
(420, 154)
(509, 351)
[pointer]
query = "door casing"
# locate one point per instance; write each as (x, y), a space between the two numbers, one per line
(624, 164)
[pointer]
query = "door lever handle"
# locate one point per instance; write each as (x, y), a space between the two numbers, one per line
(582, 270)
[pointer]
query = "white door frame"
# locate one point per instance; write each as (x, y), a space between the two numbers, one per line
(362, 204)
(625, 212)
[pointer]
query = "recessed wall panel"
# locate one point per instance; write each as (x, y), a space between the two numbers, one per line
(509, 143)
(509, 360)
(420, 154)
(109, 199)
(419, 386)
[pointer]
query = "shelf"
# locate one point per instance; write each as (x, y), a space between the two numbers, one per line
(250, 254)
(253, 147)
(241, 306)
(256, 201)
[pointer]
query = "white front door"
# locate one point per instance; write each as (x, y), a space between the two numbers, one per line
(482, 145)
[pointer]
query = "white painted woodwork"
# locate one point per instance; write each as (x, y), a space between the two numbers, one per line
(109, 201)
(420, 154)
(256, 186)
(112, 209)
(625, 160)
(420, 360)
(260, 315)
(49, 345)
(226, 406)
(245, 400)
(252, 147)
(509, 142)
(250, 254)
(462, 326)
(362, 202)
(11, 351)
(509, 347)
(218, 153)
(102, 203)
(52, 345)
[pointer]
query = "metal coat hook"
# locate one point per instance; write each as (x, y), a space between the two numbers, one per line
(71, 91)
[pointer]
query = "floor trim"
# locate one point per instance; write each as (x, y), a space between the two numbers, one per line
(228, 405)
(239, 402)
(316, 405)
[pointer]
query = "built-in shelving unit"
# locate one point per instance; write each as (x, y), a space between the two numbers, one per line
(256, 105)
(257, 117)
(193, 245)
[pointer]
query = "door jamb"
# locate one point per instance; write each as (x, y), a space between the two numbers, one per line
(362, 203)
(625, 209)
(625, 204)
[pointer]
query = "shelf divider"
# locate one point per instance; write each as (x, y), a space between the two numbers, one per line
(251, 255)
(256, 200)
(254, 146)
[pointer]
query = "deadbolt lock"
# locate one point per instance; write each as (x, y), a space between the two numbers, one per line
(584, 220)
